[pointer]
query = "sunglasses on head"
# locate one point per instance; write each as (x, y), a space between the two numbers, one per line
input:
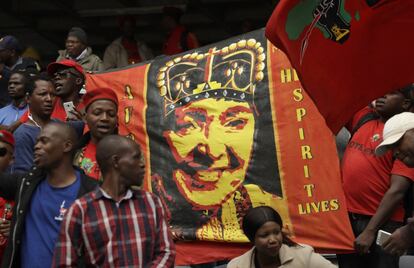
(3, 151)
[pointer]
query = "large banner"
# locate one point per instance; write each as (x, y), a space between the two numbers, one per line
(225, 128)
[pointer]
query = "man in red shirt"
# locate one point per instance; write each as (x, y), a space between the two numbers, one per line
(374, 186)
(68, 78)
(179, 38)
(101, 108)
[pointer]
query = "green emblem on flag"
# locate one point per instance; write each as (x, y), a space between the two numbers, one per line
(328, 16)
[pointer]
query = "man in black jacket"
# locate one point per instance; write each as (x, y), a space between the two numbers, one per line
(42, 197)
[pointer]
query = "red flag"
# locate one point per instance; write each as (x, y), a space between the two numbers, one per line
(346, 52)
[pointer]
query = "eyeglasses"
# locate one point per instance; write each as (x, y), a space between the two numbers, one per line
(3, 151)
(64, 74)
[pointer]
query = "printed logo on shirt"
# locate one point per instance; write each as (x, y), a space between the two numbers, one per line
(62, 212)
(375, 137)
(87, 165)
(361, 147)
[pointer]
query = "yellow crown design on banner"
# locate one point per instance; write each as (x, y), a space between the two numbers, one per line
(230, 72)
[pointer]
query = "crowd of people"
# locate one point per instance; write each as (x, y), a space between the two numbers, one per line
(70, 185)
(55, 156)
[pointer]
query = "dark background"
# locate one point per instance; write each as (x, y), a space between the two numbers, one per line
(43, 24)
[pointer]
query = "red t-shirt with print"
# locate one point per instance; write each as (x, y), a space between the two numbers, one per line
(88, 161)
(367, 177)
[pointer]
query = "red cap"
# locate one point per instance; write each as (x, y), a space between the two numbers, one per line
(6, 137)
(52, 68)
(99, 94)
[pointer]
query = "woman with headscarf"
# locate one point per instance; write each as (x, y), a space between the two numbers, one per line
(272, 248)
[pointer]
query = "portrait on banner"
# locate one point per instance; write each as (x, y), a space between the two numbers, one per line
(212, 143)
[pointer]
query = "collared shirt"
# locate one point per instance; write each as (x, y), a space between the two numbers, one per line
(79, 57)
(127, 196)
(105, 233)
(10, 114)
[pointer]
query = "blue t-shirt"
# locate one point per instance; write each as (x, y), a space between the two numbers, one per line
(42, 224)
(10, 114)
(25, 139)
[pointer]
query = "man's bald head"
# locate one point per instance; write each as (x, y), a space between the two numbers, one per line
(55, 144)
(64, 131)
(112, 145)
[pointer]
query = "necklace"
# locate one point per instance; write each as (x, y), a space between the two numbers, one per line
(34, 121)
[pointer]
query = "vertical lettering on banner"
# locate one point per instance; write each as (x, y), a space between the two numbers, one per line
(306, 171)
(128, 114)
(309, 189)
(288, 75)
(128, 92)
(129, 109)
(300, 113)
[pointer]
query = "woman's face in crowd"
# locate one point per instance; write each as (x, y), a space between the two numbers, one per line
(102, 118)
(268, 239)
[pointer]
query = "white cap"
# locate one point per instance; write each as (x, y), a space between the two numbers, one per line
(394, 129)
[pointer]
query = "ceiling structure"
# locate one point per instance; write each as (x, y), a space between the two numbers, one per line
(43, 24)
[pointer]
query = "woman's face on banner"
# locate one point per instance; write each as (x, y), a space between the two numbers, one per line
(212, 144)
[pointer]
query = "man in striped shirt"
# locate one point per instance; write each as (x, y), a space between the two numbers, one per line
(116, 225)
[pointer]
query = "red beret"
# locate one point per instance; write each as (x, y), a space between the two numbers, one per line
(52, 68)
(99, 94)
(6, 137)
